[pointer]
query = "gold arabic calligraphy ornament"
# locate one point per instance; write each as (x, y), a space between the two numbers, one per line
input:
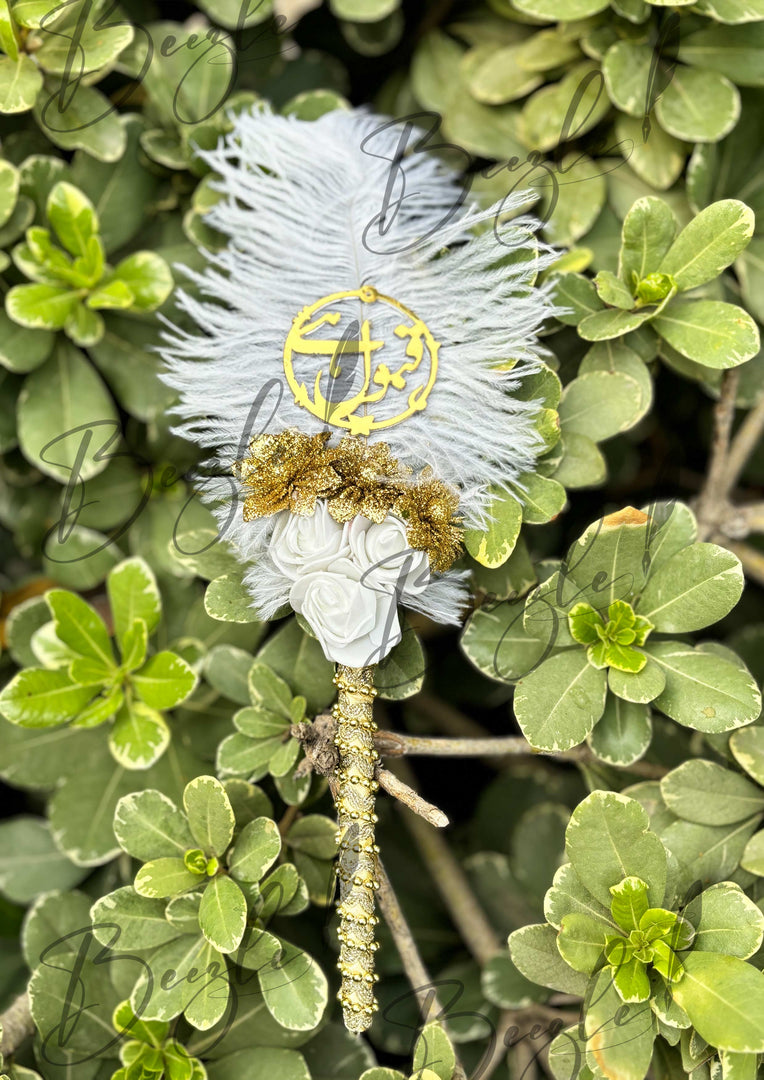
(354, 410)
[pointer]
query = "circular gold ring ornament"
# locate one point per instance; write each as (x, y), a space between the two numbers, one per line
(355, 412)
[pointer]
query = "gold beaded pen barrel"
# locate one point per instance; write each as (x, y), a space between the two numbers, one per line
(357, 860)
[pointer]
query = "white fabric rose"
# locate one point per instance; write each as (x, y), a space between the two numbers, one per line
(385, 556)
(302, 544)
(355, 622)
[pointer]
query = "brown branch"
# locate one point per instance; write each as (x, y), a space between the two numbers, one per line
(395, 787)
(712, 505)
(743, 445)
(454, 888)
(17, 1024)
(413, 965)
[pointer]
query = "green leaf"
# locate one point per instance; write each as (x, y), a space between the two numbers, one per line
(46, 307)
(148, 278)
(98, 42)
(752, 858)
(134, 645)
(631, 981)
(299, 660)
(559, 703)
(732, 11)
(202, 998)
(228, 600)
(573, 105)
(549, 10)
(141, 921)
(581, 941)
(697, 105)
(658, 160)
(433, 1051)
(209, 813)
(626, 70)
(747, 747)
(9, 183)
(36, 698)
(619, 1038)
(629, 903)
(269, 691)
(493, 545)
(495, 641)
(133, 594)
(164, 877)
(609, 839)
(542, 499)
(139, 736)
(732, 50)
(314, 835)
(611, 290)
(583, 621)
(60, 401)
(21, 349)
(401, 673)
(704, 691)
(495, 76)
(72, 216)
(724, 998)
(113, 295)
(623, 733)
(582, 463)
(710, 332)
(611, 323)
(709, 244)
(709, 794)
(671, 526)
(294, 989)
(223, 914)
(9, 39)
(148, 825)
(30, 863)
(641, 687)
(164, 680)
(600, 404)
(226, 669)
(535, 954)
(576, 292)
(648, 232)
(20, 83)
(726, 921)
(80, 627)
(572, 203)
(88, 121)
(706, 853)
(256, 849)
(696, 587)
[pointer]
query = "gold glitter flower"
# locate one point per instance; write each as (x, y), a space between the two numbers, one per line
(429, 508)
(370, 480)
(288, 471)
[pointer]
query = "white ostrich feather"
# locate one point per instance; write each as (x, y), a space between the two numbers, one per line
(297, 199)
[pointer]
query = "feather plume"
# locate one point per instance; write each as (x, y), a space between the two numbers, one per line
(298, 209)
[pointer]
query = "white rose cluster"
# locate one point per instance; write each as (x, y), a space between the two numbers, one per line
(347, 580)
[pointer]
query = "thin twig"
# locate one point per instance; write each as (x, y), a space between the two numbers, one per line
(395, 787)
(712, 504)
(17, 1024)
(743, 445)
(413, 965)
(451, 882)
(394, 744)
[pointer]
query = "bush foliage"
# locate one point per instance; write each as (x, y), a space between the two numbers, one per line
(166, 865)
